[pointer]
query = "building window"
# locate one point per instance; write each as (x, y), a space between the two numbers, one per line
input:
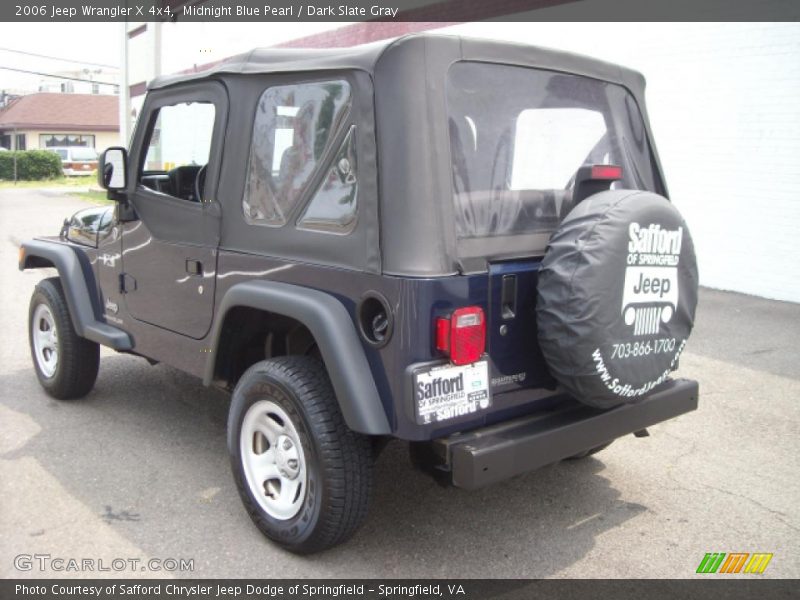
(20, 145)
(49, 140)
(295, 126)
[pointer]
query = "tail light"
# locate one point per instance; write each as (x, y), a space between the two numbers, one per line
(593, 179)
(606, 172)
(462, 336)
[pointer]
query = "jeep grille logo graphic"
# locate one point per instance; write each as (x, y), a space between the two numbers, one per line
(650, 292)
(734, 562)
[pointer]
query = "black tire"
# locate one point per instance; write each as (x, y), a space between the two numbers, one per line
(590, 452)
(337, 461)
(616, 297)
(78, 359)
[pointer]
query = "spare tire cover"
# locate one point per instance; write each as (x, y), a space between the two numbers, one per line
(616, 296)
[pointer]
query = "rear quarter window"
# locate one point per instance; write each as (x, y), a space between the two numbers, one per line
(293, 131)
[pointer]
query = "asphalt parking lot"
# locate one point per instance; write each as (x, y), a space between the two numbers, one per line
(138, 469)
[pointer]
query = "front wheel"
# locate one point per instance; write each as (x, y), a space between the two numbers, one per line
(304, 477)
(65, 363)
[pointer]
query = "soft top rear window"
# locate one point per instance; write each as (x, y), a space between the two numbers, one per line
(518, 136)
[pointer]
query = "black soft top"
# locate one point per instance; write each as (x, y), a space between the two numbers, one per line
(409, 230)
(286, 60)
(367, 58)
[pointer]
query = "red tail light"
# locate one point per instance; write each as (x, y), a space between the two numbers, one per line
(606, 172)
(462, 336)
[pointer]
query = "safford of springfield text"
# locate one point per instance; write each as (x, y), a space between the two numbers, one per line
(234, 591)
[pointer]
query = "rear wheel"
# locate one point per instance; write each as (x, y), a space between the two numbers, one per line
(304, 477)
(65, 363)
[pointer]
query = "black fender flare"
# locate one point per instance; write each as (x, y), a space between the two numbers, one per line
(77, 279)
(333, 330)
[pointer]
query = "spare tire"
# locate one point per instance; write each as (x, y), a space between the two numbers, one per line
(616, 297)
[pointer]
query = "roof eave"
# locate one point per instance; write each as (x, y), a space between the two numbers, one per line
(59, 127)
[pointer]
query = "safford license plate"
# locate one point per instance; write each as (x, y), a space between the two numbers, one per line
(448, 392)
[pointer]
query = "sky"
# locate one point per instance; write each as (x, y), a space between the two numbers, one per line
(77, 45)
(79, 42)
(186, 44)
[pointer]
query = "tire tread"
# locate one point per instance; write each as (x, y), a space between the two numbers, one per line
(78, 358)
(345, 456)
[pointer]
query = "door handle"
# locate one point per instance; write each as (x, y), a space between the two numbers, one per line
(194, 267)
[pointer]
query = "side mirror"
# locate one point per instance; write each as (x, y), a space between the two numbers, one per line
(112, 172)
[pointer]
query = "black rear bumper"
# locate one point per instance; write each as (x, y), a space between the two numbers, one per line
(494, 453)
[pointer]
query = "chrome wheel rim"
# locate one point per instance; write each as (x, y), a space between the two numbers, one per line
(45, 340)
(273, 460)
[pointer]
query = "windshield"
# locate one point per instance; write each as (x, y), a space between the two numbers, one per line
(517, 138)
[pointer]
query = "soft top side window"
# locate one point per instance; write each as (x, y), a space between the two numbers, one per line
(293, 129)
(178, 150)
(333, 207)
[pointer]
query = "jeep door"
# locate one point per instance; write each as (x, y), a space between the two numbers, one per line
(169, 251)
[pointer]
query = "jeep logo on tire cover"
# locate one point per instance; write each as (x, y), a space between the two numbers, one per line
(650, 294)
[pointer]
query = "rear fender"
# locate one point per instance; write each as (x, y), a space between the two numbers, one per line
(333, 330)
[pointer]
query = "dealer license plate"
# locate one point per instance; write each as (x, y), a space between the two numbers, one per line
(448, 392)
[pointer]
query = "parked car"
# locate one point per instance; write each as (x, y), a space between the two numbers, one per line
(76, 160)
(463, 244)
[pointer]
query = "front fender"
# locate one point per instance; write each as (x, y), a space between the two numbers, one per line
(77, 279)
(333, 330)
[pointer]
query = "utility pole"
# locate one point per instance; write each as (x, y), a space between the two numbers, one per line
(124, 92)
(16, 149)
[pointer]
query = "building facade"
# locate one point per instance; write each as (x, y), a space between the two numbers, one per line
(45, 120)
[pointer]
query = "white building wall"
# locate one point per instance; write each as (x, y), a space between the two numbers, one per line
(724, 103)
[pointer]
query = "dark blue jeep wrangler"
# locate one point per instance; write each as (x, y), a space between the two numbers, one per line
(463, 244)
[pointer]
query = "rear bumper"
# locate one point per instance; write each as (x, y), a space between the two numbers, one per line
(478, 458)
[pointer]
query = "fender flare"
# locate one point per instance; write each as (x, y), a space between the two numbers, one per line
(333, 330)
(77, 279)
